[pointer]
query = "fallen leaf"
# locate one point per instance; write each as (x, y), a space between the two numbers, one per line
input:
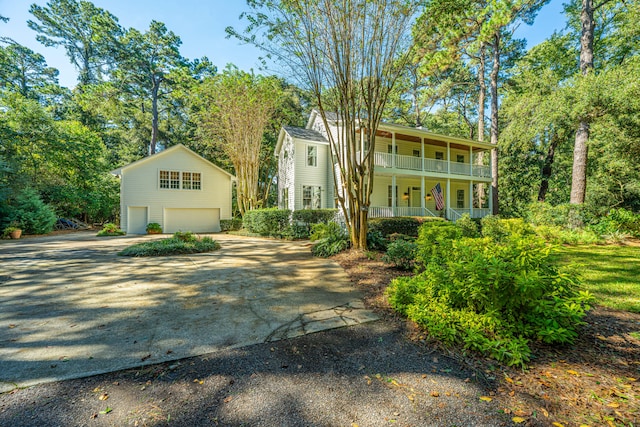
(572, 372)
(518, 420)
(197, 381)
(97, 389)
(509, 380)
(228, 399)
(103, 396)
(522, 413)
(601, 338)
(613, 405)
(631, 379)
(545, 413)
(486, 398)
(435, 394)
(354, 425)
(11, 326)
(557, 424)
(94, 415)
(584, 425)
(106, 410)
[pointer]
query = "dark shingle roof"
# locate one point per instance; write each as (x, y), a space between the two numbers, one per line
(307, 134)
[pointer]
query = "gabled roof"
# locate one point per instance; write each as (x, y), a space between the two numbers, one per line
(168, 151)
(301, 134)
(331, 117)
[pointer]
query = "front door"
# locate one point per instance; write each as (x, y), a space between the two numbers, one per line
(415, 197)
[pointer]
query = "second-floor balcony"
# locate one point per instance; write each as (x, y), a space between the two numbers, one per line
(398, 161)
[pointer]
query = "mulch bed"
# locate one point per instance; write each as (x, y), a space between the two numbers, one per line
(594, 382)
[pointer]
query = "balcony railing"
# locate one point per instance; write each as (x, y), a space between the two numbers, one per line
(398, 161)
(451, 214)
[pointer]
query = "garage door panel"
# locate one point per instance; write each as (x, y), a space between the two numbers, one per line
(191, 219)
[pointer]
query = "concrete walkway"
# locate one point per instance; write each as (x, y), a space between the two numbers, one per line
(70, 307)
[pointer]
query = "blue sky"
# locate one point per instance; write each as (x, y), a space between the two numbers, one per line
(200, 24)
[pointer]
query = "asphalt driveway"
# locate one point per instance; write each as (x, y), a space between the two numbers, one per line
(70, 307)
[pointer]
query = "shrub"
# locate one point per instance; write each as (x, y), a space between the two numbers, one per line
(376, 241)
(110, 229)
(154, 228)
(468, 227)
(303, 220)
(179, 243)
(494, 296)
(330, 239)
(34, 216)
(401, 254)
(435, 238)
(617, 222)
(564, 215)
(268, 222)
(233, 224)
(402, 225)
(498, 229)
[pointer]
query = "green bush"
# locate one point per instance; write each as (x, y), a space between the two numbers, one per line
(303, 220)
(468, 227)
(179, 243)
(110, 229)
(233, 224)
(434, 239)
(560, 236)
(565, 215)
(376, 241)
(499, 229)
(329, 239)
(618, 221)
(268, 222)
(401, 225)
(33, 215)
(154, 227)
(493, 295)
(401, 254)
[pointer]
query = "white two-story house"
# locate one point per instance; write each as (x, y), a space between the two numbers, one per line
(408, 164)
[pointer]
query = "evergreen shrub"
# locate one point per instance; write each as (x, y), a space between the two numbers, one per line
(268, 222)
(34, 216)
(493, 294)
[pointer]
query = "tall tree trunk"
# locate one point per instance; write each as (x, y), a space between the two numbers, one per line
(482, 94)
(495, 71)
(580, 148)
(154, 117)
(547, 167)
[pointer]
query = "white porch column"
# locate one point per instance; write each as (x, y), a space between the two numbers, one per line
(448, 195)
(422, 193)
(393, 150)
(470, 161)
(448, 157)
(394, 202)
(471, 199)
(422, 157)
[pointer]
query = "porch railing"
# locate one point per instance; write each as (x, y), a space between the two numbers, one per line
(398, 161)
(389, 212)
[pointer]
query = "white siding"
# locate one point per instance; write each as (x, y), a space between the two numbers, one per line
(286, 172)
(311, 175)
(140, 186)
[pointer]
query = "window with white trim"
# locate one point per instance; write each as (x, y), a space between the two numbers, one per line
(460, 158)
(311, 197)
(439, 155)
(191, 181)
(390, 195)
(312, 155)
(460, 199)
(176, 180)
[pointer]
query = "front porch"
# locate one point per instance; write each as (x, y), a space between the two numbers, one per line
(401, 195)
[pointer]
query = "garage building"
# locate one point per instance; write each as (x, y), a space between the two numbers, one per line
(176, 188)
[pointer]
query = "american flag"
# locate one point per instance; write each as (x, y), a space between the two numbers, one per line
(437, 196)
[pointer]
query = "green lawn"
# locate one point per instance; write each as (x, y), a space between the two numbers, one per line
(611, 273)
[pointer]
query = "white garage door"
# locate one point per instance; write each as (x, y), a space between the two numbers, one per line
(191, 219)
(137, 220)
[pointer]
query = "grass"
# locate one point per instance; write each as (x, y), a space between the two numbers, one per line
(611, 273)
(178, 244)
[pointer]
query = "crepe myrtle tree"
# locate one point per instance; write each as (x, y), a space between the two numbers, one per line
(349, 54)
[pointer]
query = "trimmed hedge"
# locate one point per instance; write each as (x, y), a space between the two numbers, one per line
(400, 225)
(268, 222)
(233, 224)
